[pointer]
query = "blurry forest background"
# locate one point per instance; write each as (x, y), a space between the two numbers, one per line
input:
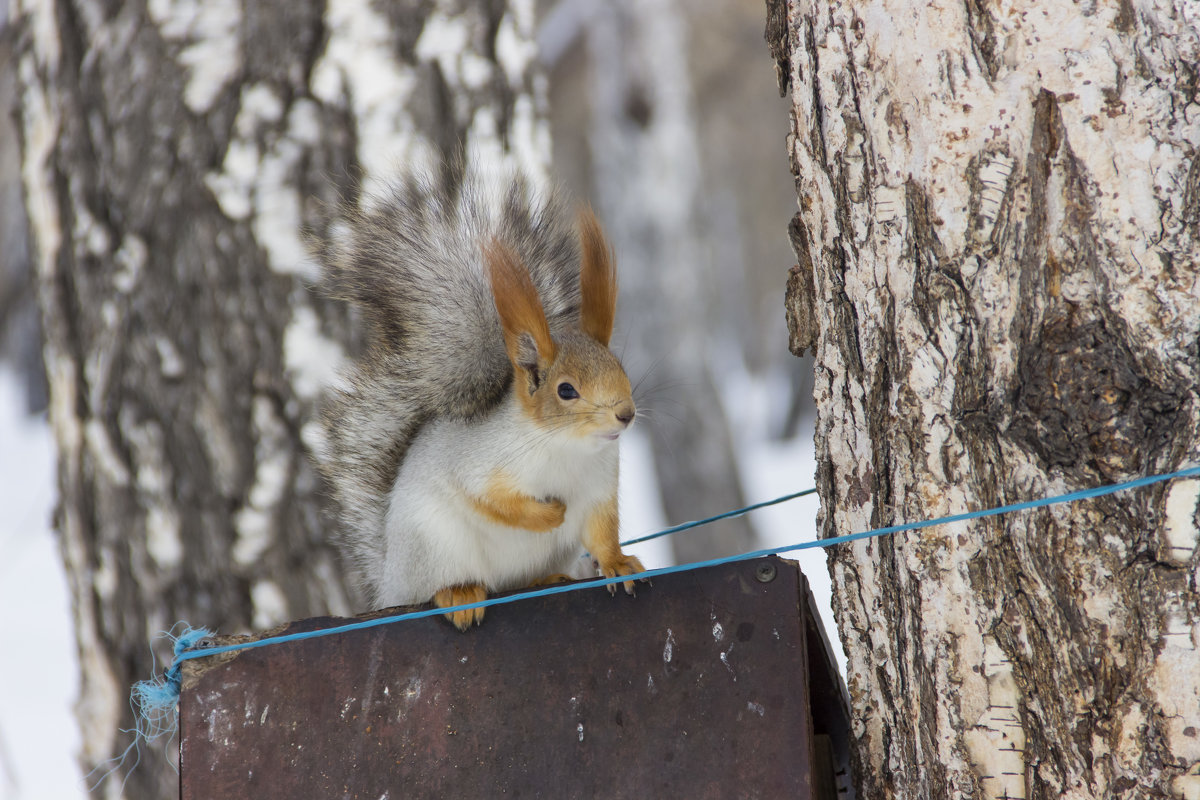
(666, 117)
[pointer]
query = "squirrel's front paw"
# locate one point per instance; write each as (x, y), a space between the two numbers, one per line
(622, 564)
(546, 515)
(461, 595)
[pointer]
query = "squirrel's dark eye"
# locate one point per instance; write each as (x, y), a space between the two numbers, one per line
(566, 391)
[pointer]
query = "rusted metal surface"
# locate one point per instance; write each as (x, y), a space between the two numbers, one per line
(695, 688)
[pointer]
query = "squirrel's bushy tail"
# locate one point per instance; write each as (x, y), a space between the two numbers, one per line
(411, 261)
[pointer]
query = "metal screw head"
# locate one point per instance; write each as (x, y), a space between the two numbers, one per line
(765, 572)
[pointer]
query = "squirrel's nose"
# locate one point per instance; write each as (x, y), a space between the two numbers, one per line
(625, 415)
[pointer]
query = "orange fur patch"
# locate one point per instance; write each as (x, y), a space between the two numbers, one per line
(603, 542)
(597, 280)
(518, 304)
(506, 505)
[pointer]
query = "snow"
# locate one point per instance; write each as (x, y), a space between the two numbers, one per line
(38, 733)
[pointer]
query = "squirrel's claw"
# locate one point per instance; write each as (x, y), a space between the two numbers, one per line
(462, 595)
(622, 565)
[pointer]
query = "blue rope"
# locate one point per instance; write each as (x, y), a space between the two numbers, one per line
(737, 512)
(158, 697)
(548, 591)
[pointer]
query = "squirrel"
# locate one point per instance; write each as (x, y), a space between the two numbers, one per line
(473, 447)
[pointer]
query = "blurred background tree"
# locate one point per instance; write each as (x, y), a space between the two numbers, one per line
(667, 120)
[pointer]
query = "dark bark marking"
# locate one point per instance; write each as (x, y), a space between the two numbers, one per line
(991, 246)
(1039, 620)
(1082, 401)
(1126, 18)
(280, 49)
(777, 36)
(447, 133)
(845, 322)
(407, 21)
(824, 479)
(800, 300)
(818, 128)
(983, 37)
(935, 277)
(881, 427)
(1189, 211)
(501, 95)
(1031, 251)
(637, 106)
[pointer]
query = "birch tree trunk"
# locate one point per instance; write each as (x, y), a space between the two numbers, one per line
(999, 274)
(172, 153)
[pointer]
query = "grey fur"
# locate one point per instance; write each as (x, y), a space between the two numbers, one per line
(412, 264)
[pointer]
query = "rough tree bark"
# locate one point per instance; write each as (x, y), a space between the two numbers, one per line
(173, 151)
(999, 274)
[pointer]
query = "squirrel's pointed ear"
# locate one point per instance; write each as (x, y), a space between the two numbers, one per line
(526, 333)
(597, 280)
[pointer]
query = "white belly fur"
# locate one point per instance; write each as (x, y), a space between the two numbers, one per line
(435, 539)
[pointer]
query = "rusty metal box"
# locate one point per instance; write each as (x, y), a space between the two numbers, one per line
(703, 686)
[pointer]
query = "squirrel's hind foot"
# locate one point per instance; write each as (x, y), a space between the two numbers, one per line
(462, 595)
(550, 580)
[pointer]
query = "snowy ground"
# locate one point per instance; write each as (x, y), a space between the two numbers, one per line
(38, 684)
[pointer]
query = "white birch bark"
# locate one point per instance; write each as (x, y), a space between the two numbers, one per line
(999, 275)
(172, 154)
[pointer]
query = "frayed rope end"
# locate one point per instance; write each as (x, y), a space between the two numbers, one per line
(155, 701)
(155, 704)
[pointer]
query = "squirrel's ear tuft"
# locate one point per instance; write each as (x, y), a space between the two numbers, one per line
(597, 280)
(526, 333)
